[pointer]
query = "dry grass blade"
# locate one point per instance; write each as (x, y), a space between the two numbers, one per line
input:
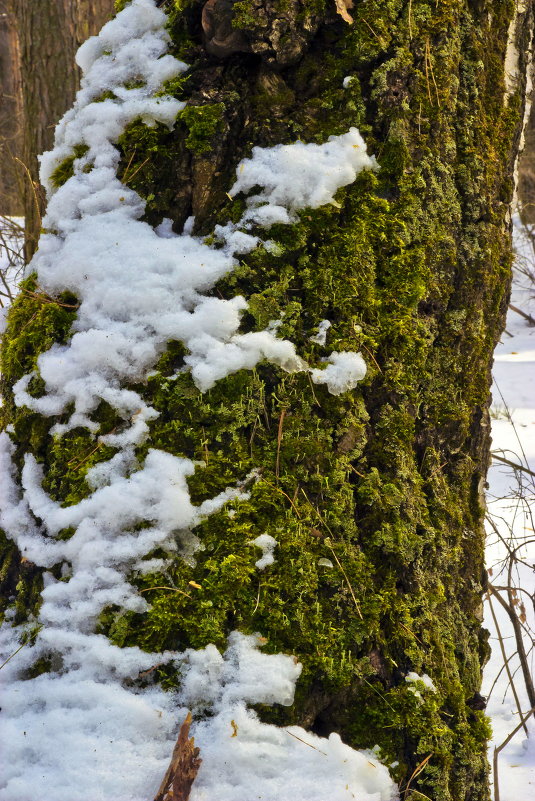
(34, 190)
(183, 768)
(304, 742)
(416, 772)
(164, 587)
(42, 297)
(335, 555)
(12, 655)
(279, 440)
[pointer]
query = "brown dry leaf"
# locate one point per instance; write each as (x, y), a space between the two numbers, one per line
(341, 8)
(183, 769)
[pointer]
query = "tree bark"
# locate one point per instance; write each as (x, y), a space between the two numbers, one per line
(413, 269)
(10, 116)
(49, 33)
(526, 172)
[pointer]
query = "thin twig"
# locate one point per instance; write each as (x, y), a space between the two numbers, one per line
(512, 464)
(502, 746)
(504, 655)
(528, 317)
(517, 629)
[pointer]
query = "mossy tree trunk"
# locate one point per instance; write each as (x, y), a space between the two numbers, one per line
(413, 269)
(49, 33)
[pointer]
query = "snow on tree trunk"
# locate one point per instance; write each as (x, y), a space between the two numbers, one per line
(246, 389)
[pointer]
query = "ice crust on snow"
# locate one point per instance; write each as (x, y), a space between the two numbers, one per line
(139, 288)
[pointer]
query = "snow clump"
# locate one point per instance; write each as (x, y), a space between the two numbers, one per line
(413, 678)
(267, 544)
(320, 338)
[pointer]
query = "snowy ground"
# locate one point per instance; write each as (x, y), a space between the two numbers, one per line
(511, 497)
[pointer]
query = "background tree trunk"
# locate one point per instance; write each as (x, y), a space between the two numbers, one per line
(414, 270)
(526, 172)
(49, 33)
(10, 116)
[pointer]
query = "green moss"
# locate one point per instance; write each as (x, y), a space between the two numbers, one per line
(203, 123)
(65, 170)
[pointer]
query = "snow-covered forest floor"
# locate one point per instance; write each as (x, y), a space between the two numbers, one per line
(511, 523)
(511, 527)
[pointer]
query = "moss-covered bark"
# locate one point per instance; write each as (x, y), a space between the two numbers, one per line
(412, 269)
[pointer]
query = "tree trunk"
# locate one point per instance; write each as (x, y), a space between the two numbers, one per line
(10, 116)
(375, 496)
(526, 172)
(49, 33)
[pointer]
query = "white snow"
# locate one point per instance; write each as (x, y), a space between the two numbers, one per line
(246, 759)
(267, 544)
(289, 183)
(79, 731)
(122, 326)
(320, 338)
(413, 678)
(343, 372)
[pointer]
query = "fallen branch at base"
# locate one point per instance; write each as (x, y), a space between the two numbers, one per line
(183, 768)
